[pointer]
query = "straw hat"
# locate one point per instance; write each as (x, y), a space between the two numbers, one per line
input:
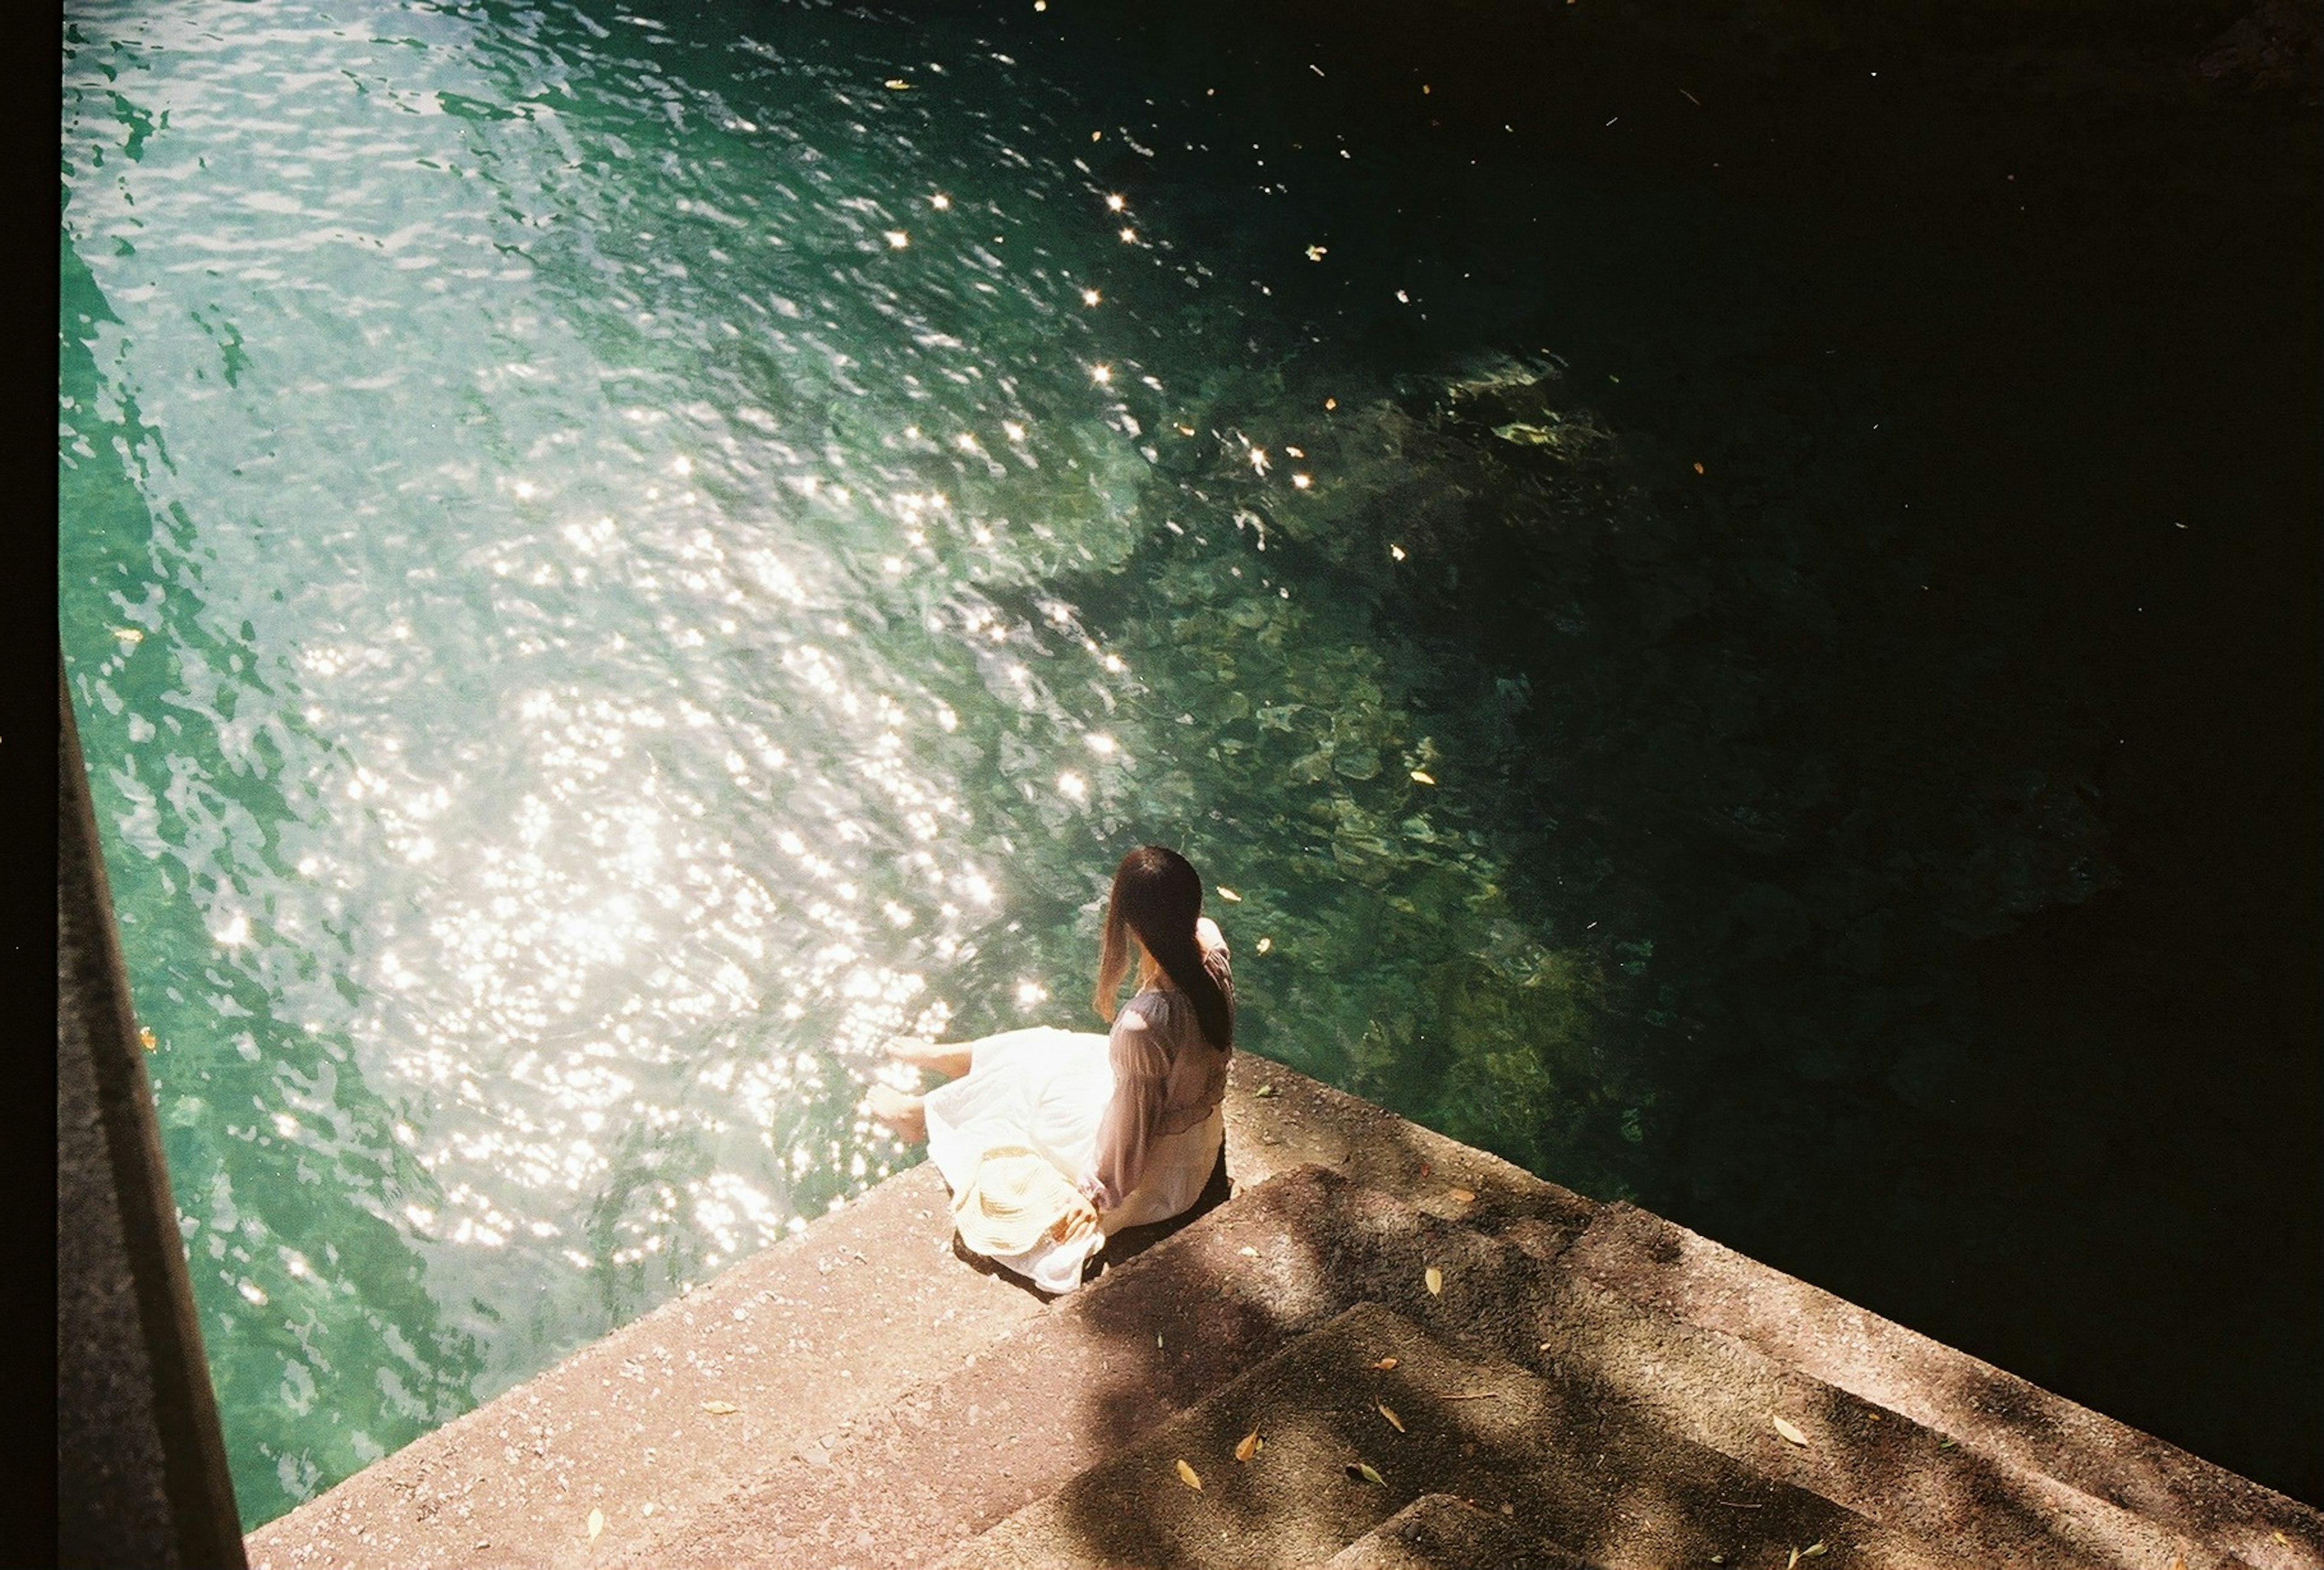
(1014, 1201)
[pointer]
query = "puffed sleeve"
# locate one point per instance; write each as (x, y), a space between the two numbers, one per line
(1141, 1077)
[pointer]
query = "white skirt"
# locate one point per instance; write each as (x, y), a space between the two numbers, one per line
(1048, 1089)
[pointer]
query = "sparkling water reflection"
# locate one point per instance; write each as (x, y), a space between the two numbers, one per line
(613, 567)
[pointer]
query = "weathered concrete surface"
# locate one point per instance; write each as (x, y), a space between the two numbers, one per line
(1069, 1389)
(1985, 1409)
(801, 1339)
(1584, 1473)
(841, 1322)
(1439, 1532)
(892, 1402)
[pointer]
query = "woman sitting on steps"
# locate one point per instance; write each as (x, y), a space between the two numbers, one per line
(1051, 1140)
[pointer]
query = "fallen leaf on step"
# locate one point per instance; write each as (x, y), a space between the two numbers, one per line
(1787, 1431)
(1394, 1421)
(1262, 1093)
(596, 1524)
(1385, 1364)
(2280, 1538)
(1249, 1446)
(1363, 1471)
(1463, 1197)
(1187, 1475)
(1436, 1279)
(721, 1409)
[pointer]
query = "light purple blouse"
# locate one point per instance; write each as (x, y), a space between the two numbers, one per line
(1167, 1078)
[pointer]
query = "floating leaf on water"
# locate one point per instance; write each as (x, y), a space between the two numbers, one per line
(1436, 1279)
(1229, 895)
(1698, 469)
(145, 1039)
(1388, 1412)
(596, 1524)
(721, 1409)
(1363, 1471)
(1262, 1093)
(1424, 777)
(1248, 1447)
(897, 83)
(1786, 1430)
(132, 636)
(1464, 1196)
(1385, 1363)
(1264, 944)
(1190, 1477)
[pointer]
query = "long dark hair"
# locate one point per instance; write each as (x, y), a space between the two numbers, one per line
(1158, 895)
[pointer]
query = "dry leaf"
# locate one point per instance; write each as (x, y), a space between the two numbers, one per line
(596, 1524)
(2280, 1538)
(1436, 1279)
(1248, 1447)
(1464, 1196)
(1262, 1093)
(1813, 1550)
(1394, 1421)
(1385, 1364)
(721, 1409)
(145, 1039)
(1187, 1475)
(896, 84)
(1422, 777)
(1362, 1469)
(1786, 1430)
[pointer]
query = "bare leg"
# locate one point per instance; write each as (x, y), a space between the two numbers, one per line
(952, 1062)
(906, 1114)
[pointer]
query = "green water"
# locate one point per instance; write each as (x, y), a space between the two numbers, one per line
(609, 565)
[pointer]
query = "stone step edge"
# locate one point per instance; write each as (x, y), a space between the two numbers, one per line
(1496, 1298)
(1440, 1531)
(1139, 1484)
(1667, 1268)
(1167, 1320)
(1724, 1394)
(458, 1496)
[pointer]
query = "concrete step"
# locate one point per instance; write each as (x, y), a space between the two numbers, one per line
(1662, 1266)
(1098, 1370)
(1077, 1384)
(1439, 1532)
(801, 1340)
(1571, 1469)
(1722, 1393)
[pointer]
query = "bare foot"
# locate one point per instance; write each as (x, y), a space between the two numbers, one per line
(952, 1062)
(906, 1114)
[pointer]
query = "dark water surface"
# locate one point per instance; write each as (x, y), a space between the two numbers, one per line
(609, 560)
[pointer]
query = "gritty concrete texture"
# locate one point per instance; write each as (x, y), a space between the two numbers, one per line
(895, 1405)
(1440, 1532)
(803, 1340)
(844, 1321)
(1587, 1474)
(1982, 1409)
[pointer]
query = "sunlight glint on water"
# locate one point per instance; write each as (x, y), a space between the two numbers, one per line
(577, 555)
